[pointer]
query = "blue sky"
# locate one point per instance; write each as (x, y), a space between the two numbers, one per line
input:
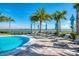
(21, 13)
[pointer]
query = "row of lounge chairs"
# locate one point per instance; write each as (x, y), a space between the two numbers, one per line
(54, 37)
(48, 35)
(57, 41)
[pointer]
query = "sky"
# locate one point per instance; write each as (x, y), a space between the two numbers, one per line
(21, 13)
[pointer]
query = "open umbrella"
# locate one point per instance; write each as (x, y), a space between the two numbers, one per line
(72, 22)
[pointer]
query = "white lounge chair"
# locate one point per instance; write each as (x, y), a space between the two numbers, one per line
(62, 38)
(60, 45)
(76, 41)
(71, 52)
(66, 36)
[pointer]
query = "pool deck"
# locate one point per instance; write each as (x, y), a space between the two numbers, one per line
(45, 47)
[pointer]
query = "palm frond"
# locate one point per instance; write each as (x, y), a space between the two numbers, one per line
(76, 6)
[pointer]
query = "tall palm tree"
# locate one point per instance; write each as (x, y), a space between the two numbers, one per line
(10, 20)
(76, 6)
(5, 19)
(33, 19)
(42, 16)
(57, 16)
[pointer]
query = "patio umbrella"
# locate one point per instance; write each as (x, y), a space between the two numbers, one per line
(72, 22)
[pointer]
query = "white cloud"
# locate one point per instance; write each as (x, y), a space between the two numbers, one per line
(67, 25)
(17, 26)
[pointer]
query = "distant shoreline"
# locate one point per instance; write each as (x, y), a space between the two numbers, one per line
(29, 30)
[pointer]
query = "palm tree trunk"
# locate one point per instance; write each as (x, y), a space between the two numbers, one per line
(59, 26)
(34, 27)
(31, 27)
(40, 26)
(77, 22)
(9, 26)
(57, 29)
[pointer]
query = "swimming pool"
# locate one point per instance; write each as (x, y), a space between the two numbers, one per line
(8, 43)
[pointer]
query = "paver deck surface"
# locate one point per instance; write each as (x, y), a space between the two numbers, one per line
(45, 47)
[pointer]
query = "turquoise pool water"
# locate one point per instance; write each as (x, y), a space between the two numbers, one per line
(11, 42)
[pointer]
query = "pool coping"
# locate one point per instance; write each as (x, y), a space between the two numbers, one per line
(18, 49)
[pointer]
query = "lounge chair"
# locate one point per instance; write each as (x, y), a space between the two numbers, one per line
(71, 52)
(67, 36)
(60, 45)
(33, 33)
(37, 35)
(62, 38)
(75, 41)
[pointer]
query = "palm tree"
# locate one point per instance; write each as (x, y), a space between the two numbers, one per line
(10, 20)
(33, 19)
(5, 19)
(57, 16)
(76, 6)
(42, 16)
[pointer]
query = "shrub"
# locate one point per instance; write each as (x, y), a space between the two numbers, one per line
(62, 35)
(3, 32)
(73, 35)
(56, 33)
